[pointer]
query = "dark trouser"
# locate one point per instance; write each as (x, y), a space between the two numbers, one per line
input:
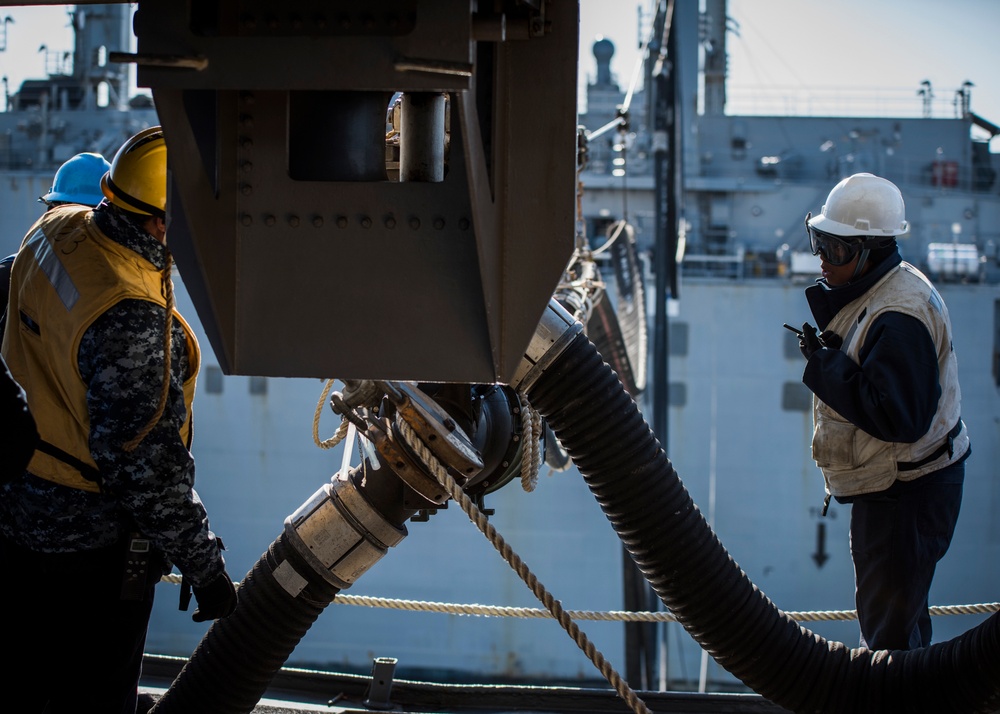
(71, 643)
(897, 539)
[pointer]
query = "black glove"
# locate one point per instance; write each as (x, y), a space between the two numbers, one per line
(831, 339)
(809, 342)
(215, 600)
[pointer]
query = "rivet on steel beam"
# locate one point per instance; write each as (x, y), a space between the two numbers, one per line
(246, 219)
(414, 223)
(341, 221)
(247, 166)
(317, 221)
(246, 121)
(463, 223)
(293, 221)
(439, 223)
(390, 222)
(269, 220)
(246, 142)
(246, 189)
(366, 222)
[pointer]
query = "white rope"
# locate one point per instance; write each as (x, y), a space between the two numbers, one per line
(450, 608)
(617, 615)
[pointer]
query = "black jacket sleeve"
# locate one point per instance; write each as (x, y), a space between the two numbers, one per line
(19, 435)
(893, 393)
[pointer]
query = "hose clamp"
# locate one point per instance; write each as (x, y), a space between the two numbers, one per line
(339, 534)
(556, 330)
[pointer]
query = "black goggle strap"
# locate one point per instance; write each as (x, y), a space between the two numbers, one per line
(861, 263)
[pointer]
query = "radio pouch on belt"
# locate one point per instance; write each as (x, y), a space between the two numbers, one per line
(136, 570)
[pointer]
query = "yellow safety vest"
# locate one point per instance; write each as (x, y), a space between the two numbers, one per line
(66, 275)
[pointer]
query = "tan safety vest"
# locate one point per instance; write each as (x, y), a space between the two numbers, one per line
(66, 274)
(854, 462)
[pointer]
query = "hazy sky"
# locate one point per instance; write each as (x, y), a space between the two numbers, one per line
(868, 48)
(877, 48)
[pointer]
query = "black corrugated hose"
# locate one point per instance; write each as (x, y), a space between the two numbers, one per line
(238, 657)
(600, 426)
(622, 462)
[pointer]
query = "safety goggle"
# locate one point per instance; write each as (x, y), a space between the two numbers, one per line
(836, 251)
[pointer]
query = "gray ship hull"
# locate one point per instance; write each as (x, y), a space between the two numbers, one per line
(749, 470)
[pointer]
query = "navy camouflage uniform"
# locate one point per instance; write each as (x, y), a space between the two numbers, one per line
(63, 548)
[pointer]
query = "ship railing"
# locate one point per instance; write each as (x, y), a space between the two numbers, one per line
(704, 265)
(853, 101)
(943, 173)
(742, 263)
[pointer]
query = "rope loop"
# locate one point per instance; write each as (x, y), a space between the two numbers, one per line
(531, 434)
(338, 435)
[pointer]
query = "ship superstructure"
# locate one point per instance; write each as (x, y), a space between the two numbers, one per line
(740, 419)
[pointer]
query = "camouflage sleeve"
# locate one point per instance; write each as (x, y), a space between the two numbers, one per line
(121, 361)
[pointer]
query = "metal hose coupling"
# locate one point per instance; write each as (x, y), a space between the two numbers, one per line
(338, 534)
(555, 331)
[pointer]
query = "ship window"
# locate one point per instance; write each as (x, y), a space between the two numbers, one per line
(795, 397)
(258, 385)
(213, 380)
(678, 346)
(103, 94)
(677, 394)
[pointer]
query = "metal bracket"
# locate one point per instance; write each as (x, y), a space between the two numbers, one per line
(381, 686)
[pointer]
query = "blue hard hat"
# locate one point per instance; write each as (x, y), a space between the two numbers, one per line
(79, 181)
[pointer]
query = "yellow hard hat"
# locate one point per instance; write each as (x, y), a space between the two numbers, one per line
(137, 180)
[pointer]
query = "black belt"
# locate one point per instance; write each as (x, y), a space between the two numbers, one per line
(85, 469)
(947, 447)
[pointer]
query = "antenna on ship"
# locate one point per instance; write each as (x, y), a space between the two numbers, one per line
(3, 48)
(927, 95)
(3, 33)
(963, 99)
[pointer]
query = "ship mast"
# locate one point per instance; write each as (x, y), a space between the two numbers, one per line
(714, 29)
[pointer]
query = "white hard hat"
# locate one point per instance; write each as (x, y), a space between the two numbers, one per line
(863, 205)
